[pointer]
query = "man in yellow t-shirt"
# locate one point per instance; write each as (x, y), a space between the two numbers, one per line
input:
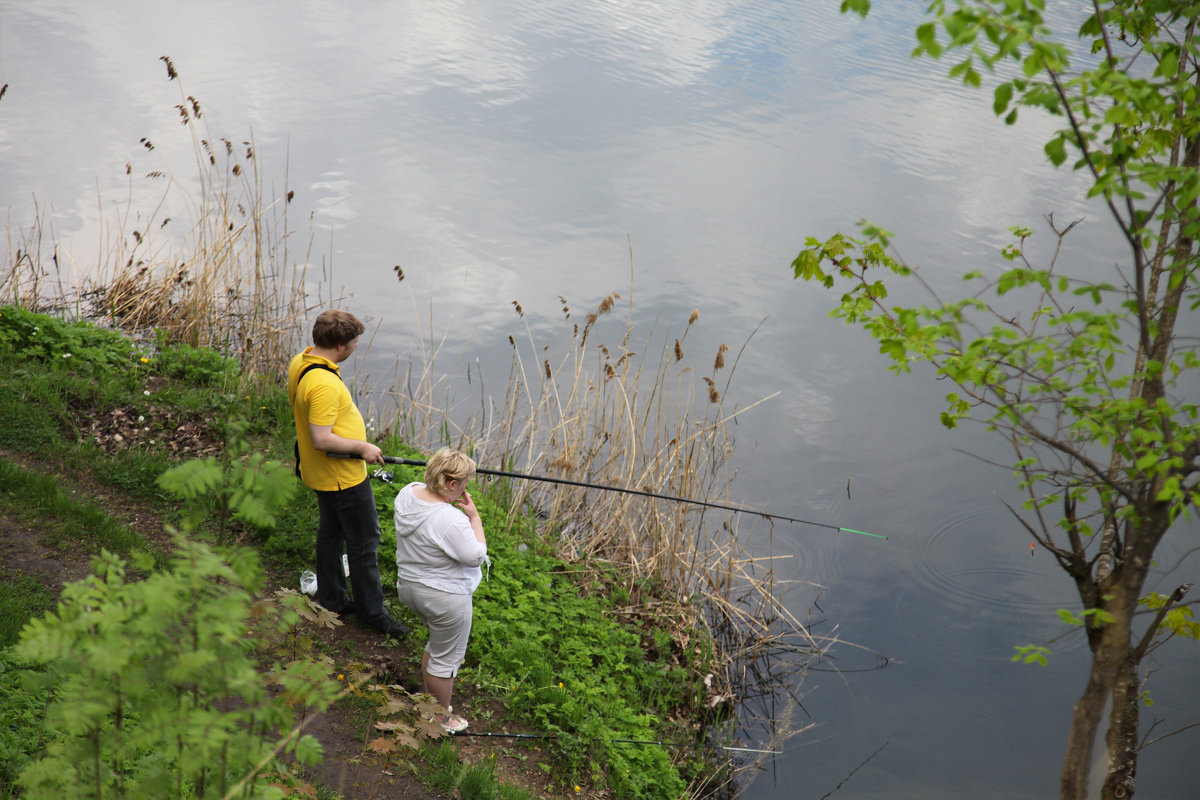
(327, 421)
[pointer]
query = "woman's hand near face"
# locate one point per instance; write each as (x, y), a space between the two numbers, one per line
(467, 505)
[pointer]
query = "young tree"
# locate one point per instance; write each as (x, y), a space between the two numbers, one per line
(1085, 378)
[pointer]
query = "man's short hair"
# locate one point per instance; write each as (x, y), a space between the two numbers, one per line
(335, 327)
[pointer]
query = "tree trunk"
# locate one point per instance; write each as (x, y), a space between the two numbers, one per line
(1113, 676)
(1084, 722)
(1114, 673)
(1122, 736)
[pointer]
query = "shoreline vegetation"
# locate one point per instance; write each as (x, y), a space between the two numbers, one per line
(606, 618)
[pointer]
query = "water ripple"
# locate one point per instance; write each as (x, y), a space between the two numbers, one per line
(978, 593)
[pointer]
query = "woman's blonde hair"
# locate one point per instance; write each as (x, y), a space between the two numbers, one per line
(447, 465)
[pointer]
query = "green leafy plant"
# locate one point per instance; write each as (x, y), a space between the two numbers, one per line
(246, 487)
(1031, 654)
(156, 689)
(195, 366)
(557, 659)
(78, 345)
(23, 701)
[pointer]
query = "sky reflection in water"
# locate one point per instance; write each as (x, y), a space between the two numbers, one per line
(520, 151)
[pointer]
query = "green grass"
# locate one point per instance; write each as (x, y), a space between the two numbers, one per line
(22, 705)
(26, 496)
(22, 597)
(544, 642)
(557, 659)
(447, 774)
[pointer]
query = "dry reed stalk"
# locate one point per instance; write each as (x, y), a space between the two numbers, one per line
(27, 280)
(225, 280)
(638, 418)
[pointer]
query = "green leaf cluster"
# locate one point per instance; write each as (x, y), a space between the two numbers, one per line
(80, 346)
(196, 366)
(155, 688)
(1066, 370)
(248, 487)
(1179, 621)
(1031, 654)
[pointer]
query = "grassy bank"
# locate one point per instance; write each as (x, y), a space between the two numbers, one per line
(547, 646)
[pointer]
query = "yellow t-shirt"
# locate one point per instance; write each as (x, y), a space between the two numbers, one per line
(323, 399)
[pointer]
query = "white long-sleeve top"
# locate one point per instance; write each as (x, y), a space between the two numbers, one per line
(435, 545)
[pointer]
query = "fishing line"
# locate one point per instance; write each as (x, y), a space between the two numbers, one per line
(640, 492)
(856, 769)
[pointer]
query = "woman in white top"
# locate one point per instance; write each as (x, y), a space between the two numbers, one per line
(439, 548)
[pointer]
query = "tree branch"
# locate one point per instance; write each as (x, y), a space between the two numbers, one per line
(1140, 650)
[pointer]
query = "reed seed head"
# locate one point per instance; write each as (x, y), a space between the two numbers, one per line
(606, 304)
(678, 351)
(695, 315)
(171, 73)
(720, 362)
(562, 464)
(237, 169)
(549, 375)
(128, 168)
(399, 272)
(520, 311)
(146, 143)
(290, 195)
(195, 106)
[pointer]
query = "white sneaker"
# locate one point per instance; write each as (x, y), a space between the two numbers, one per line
(454, 724)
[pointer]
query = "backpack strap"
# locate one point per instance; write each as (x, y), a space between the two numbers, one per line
(305, 371)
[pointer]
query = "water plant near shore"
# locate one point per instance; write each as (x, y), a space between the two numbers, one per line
(613, 414)
(209, 261)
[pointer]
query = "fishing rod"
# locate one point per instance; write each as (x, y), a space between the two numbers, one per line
(412, 462)
(623, 741)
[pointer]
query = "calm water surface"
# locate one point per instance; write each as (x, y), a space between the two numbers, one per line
(522, 151)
